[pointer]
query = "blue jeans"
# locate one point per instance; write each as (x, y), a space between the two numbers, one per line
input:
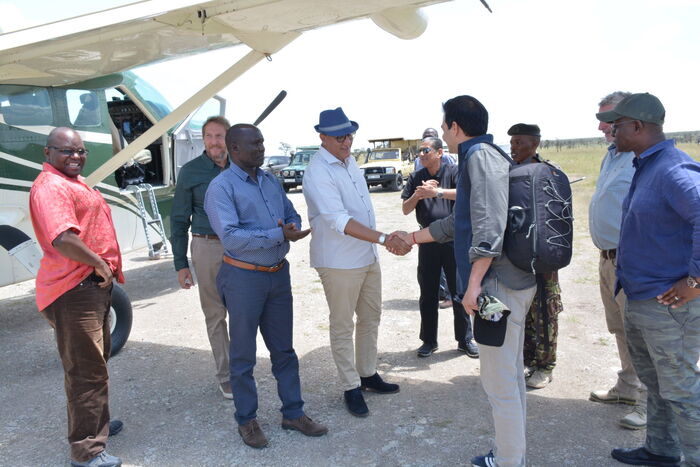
(260, 299)
(665, 345)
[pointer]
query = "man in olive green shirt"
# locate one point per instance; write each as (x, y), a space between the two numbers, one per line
(207, 251)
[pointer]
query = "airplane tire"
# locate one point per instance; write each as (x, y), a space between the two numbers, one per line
(121, 314)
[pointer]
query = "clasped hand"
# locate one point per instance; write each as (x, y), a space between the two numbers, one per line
(428, 189)
(396, 245)
(291, 232)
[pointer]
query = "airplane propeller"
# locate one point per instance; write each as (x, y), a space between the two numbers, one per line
(280, 97)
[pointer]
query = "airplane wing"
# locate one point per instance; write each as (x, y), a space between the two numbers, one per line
(149, 31)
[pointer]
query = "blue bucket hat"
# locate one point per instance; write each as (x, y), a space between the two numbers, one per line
(335, 123)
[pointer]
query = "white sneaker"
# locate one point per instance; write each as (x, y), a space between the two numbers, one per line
(539, 379)
(636, 419)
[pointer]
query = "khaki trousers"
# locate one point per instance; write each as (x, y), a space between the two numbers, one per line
(502, 376)
(628, 384)
(352, 292)
(80, 318)
(207, 256)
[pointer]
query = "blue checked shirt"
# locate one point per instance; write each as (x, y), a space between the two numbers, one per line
(244, 213)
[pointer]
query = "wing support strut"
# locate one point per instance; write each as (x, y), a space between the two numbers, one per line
(272, 44)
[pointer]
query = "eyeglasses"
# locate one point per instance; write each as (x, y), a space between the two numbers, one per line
(70, 152)
(341, 139)
(425, 150)
(614, 126)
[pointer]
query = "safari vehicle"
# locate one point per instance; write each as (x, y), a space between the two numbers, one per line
(293, 174)
(275, 164)
(76, 73)
(390, 162)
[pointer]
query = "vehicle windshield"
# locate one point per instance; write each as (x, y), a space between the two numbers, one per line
(302, 158)
(383, 155)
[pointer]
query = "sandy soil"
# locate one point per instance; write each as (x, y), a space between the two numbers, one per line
(163, 386)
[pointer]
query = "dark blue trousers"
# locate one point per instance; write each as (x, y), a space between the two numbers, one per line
(260, 299)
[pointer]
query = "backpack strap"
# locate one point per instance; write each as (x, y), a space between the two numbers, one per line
(501, 152)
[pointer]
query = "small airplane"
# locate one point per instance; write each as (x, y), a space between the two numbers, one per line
(137, 142)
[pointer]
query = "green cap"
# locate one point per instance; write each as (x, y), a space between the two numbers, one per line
(640, 106)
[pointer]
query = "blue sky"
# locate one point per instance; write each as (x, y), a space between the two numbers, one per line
(542, 61)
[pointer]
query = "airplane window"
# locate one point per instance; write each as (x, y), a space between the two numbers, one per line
(152, 98)
(208, 109)
(83, 108)
(25, 105)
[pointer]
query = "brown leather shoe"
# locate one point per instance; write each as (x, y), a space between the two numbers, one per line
(305, 425)
(252, 434)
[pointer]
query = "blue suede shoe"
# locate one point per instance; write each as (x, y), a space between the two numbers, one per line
(375, 383)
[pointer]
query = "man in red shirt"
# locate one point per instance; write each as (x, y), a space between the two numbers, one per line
(74, 228)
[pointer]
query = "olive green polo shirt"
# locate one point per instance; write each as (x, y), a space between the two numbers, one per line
(188, 205)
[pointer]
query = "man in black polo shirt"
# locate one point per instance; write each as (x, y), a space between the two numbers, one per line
(431, 192)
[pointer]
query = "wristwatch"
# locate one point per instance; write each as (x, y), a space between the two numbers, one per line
(382, 239)
(440, 193)
(692, 283)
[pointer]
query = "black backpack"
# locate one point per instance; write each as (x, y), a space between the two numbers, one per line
(539, 233)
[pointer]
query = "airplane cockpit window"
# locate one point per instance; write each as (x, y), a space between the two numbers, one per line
(83, 108)
(128, 123)
(25, 105)
(157, 104)
(208, 109)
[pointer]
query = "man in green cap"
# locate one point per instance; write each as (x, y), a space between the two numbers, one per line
(659, 269)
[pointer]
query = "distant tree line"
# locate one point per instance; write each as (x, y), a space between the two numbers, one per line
(559, 144)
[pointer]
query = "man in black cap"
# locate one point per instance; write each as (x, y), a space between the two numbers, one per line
(540, 346)
(659, 269)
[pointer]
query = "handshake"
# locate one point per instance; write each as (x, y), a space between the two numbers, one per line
(399, 242)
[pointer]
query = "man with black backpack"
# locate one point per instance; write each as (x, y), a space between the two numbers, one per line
(486, 276)
(541, 324)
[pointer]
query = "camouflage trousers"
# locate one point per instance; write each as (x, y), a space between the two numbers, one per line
(541, 328)
(665, 346)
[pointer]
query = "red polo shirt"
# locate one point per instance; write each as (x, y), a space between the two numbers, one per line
(58, 203)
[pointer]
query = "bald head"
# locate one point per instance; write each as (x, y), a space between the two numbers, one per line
(65, 151)
(245, 145)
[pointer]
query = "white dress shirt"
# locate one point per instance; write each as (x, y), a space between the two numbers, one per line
(336, 192)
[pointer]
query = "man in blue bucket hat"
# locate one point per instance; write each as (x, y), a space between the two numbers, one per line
(344, 252)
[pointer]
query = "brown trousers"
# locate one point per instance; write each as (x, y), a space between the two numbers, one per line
(81, 320)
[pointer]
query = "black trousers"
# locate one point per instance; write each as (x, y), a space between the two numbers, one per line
(433, 257)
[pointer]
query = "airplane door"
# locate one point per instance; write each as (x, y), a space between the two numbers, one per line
(188, 141)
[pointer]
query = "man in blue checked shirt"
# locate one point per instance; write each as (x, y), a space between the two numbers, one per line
(659, 268)
(255, 221)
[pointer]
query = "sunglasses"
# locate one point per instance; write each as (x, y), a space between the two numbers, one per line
(70, 152)
(425, 150)
(341, 139)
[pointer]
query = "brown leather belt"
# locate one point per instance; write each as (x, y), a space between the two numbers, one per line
(253, 267)
(608, 254)
(208, 237)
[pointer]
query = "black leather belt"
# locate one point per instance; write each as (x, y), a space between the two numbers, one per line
(608, 254)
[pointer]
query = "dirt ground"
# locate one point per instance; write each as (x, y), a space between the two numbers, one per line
(163, 387)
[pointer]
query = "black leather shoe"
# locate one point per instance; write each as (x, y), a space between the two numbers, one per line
(426, 350)
(640, 456)
(355, 403)
(115, 426)
(375, 383)
(470, 348)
